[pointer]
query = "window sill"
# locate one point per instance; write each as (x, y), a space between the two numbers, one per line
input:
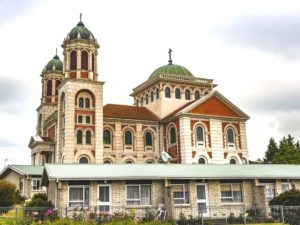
(232, 203)
(138, 206)
(182, 205)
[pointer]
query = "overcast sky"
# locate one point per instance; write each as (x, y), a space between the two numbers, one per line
(250, 48)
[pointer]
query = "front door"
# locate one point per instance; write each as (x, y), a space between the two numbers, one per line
(202, 200)
(104, 198)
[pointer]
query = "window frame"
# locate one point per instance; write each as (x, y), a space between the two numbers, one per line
(171, 137)
(177, 93)
(36, 184)
(197, 142)
(230, 143)
(146, 141)
(139, 199)
(232, 197)
(197, 95)
(187, 94)
(84, 204)
(186, 194)
(110, 136)
(167, 92)
(79, 138)
(88, 138)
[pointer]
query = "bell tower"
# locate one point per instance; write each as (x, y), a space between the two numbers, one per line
(80, 101)
(80, 53)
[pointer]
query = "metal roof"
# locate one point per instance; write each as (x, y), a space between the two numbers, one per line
(168, 171)
(23, 170)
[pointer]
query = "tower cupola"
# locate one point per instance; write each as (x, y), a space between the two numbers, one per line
(80, 53)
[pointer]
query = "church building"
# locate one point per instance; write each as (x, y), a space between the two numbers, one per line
(181, 143)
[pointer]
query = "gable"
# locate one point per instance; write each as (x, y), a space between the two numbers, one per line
(215, 107)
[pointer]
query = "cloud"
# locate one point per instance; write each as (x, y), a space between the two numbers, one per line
(274, 96)
(12, 8)
(277, 34)
(12, 95)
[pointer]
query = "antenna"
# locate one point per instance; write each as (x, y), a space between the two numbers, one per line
(165, 156)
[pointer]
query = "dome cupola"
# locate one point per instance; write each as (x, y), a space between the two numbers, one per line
(171, 69)
(80, 32)
(54, 64)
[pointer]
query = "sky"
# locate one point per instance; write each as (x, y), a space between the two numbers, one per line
(250, 48)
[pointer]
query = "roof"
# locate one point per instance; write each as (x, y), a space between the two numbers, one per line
(54, 64)
(168, 171)
(171, 69)
(128, 112)
(82, 30)
(23, 170)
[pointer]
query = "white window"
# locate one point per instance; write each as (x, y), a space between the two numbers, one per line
(180, 193)
(79, 196)
(285, 186)
(200, 136)
(138, 194)
(36, 184)
(270, 191)
(231, 193)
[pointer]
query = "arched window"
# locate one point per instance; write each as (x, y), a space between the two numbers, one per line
(84, 60)
(49, 87)
(149, 161)
(88, 137)
(83, 160)
(168, 92)
(187, 94)
(152, 97)
(73, 62)
(148, 139)
(197, 94)
(200, 137)
(147, 97)
(107, 161)
(79, 137)
(172, 134)
(87, 103)
(202, 160)
(244, 161)
(137, 103)
(57, 83)
(157, 93)
(80, 103)
(142, 101)
(128, 138)
(177, 93)
(230, 137)
(232, 161)
(129, 161)
(106, 137)
(93, 62)
(206, 93)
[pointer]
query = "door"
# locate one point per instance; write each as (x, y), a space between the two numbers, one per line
(202, 199)
(104, 198)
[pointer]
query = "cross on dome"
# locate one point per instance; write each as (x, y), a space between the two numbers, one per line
(170, 57)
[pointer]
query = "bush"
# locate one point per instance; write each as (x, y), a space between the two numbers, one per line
(288, 198)
(8, 193)
(39, 200)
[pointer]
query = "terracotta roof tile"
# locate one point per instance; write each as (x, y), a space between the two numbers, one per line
(128, 112)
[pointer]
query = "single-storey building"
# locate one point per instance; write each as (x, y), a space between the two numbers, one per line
(192, 189)
(27, 178)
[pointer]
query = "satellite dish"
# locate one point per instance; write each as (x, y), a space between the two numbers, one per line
(165, 156)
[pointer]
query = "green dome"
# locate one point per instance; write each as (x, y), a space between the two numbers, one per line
(171, 69)
(82, 30)
(55, 64)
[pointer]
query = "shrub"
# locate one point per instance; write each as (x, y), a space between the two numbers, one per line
(8, 193)
(288, 198)
(39, 200)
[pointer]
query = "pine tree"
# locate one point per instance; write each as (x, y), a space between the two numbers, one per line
(271, 151)
(288, 152)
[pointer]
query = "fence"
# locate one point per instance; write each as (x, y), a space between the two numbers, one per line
(181, 214)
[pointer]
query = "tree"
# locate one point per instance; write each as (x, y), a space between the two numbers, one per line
(8, 193)
(271, 151)
(287, 198)
(288, 151)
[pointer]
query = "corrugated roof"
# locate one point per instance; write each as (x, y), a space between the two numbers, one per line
(23, 170)
(169, 171)
(128, 112)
